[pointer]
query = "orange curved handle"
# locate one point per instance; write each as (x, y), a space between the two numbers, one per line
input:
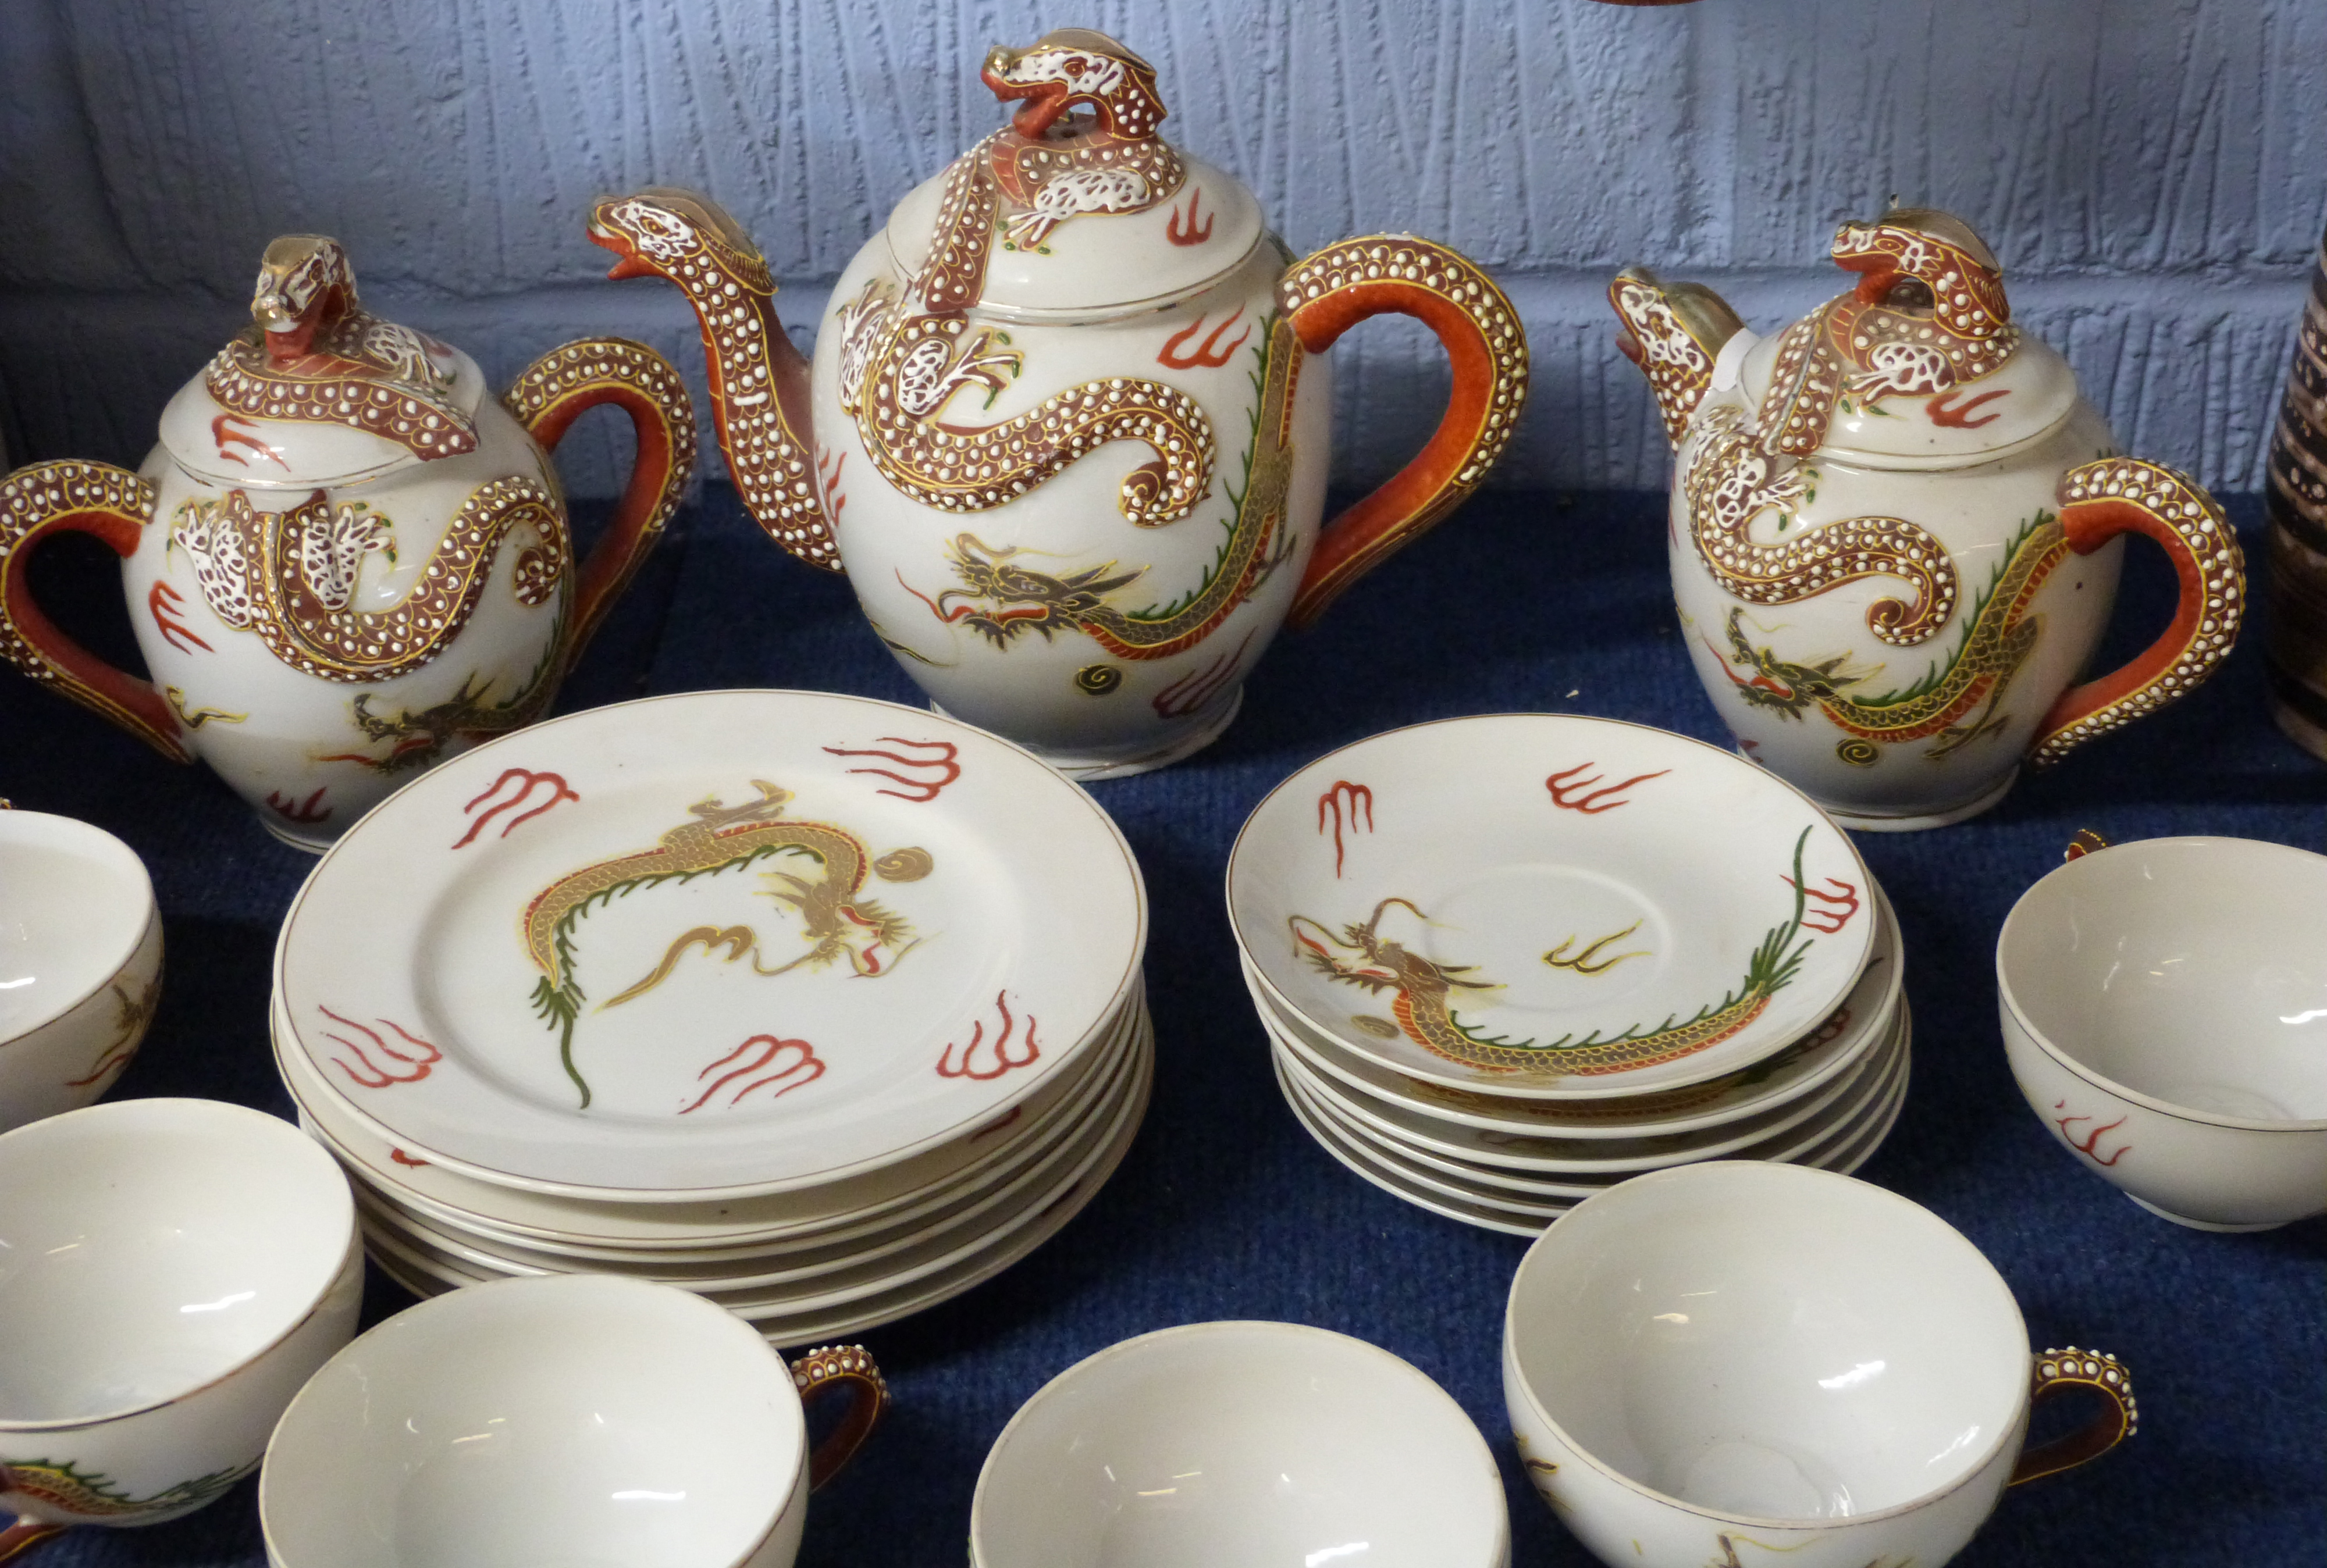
(2124, 495)
(1387, 273)
(567, 382)
(2073, 1369)
(38, 503)
(24, 1534)
(833, 1367)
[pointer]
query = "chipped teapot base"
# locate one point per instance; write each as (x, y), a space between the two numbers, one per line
(1083, 766)
(1913, 821)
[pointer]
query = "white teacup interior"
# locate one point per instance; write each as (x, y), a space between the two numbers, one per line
(148, 1248)
(1768, 1342)
(1240, 1445)
(2191, 970)
(73, 903)
(574, 1421)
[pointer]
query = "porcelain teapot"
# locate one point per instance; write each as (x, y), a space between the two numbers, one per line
(1067, 428)
(1896, 530)
(344, 561)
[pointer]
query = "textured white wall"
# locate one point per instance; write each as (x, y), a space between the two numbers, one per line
(2153, 172)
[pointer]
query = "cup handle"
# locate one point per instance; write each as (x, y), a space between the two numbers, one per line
(2073, 1369)
(24, 1535)
(2124, 495)
(2087, 841)
(38, 503)
(558, 388)
(1389, 273)
(831, 1366)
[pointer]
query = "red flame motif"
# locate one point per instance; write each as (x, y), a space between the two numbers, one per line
(938, 770)
(1000, 1121)
(1211, 353)
(527, 781)
(1185, 232)
(1949, 414)
(1190, 692)
(1834, 909)
(984, 1059)
(1570, 793)
(381, 1064)
(2090, 1146)
(784, 1064)
(162, 602)
(227, 438)
(311, 809)
(401, 1158)
(829, 477)
(1344, 799)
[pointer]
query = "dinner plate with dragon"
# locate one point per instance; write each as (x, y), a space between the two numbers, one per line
(1523, 1153)
(710, 946)
(615, 1232)
(1550, 906)
(1858, 1096)
(1803, 1068)
(790, 1269)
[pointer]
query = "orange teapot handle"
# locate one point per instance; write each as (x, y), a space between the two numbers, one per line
(2124, 495)
(567, 382)
(1387, 273)
(38, 503)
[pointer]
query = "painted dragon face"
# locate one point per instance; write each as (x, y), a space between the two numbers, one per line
(661, 227)
(305, 284)
(1073, 67)
(1920, 259)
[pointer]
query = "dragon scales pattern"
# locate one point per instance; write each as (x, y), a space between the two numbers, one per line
(1003, 598)
(290, 576)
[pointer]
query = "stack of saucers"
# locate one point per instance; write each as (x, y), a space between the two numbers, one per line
(1506, 961)
(824, 1008)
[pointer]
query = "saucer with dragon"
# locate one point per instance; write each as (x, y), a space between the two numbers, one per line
(1549, 907)
(710, 947)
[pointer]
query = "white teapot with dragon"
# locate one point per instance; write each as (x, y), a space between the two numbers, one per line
(1896, 531)
(345, 561)
(1067, 428)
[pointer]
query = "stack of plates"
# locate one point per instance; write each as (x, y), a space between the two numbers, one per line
(1506, 961)
(824, 1008)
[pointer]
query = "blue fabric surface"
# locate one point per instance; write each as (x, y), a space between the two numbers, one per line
(1225, 1208)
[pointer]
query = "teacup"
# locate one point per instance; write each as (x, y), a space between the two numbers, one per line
(580, 1418)
(81, 963)
(2164, 1007)
(171, 1271)
(1240, 1445)
(1759, 1365)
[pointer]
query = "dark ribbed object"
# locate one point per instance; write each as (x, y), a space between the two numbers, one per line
(2296, 504)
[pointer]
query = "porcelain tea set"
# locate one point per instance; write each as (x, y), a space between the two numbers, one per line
(648, 1036)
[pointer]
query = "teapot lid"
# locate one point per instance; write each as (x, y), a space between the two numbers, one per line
(1077, 205)
(317, 390)
(1918, 366)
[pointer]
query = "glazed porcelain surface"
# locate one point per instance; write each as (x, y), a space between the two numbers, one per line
(574, 1420)
(345, 561)
(1236, 1444)
(1763, 1364)
(2164, 1010)
(1069, 421)
(1894, 530)
(1841, 1043)
(81, 963)
(712, 945)
(171, 1271)
(1549, 906)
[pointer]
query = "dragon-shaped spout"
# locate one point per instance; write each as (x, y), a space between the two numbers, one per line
(1674, 333)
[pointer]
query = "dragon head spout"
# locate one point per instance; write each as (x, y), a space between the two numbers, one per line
(1072, 66)
(1920, 258)
(655, 231)
(304, 286)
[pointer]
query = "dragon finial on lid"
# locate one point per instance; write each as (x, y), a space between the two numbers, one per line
(1076, 66)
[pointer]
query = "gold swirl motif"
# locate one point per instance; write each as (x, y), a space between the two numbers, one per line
(1379, 1028)
(1858, 752)
(1096, 680)
(903, 865)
